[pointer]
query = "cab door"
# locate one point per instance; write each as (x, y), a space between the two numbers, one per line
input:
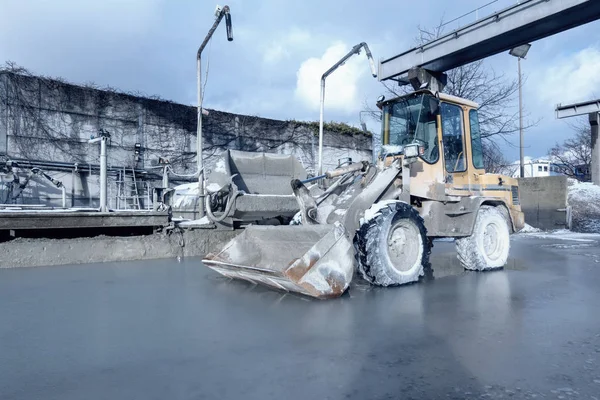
(456, 175)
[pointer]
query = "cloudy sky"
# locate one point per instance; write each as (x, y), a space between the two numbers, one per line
(281, 48)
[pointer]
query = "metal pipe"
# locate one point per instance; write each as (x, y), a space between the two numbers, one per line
(200, 162)
(337, 172)
(314, 178)
(521, 151)
(103, 179)
(355, 50)
(226, 213)
(64, 196)
(103, 171)
(359, 166)
(165, 177)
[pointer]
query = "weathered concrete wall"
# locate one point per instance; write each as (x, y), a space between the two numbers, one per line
(43, 252)
(47, 123)
(544, 201)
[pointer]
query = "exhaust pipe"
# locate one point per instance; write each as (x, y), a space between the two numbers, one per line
(355, 50)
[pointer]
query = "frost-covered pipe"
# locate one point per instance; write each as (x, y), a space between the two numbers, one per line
(355, 50)
(103, 171)
(103, 178)
(225, 214)
(64, 196)
(224, 12)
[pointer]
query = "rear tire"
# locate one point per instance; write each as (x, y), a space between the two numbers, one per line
(489, 244)
(392, 248)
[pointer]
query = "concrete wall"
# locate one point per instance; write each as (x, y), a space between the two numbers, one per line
(544, 201)
(45, 252)
(47, 123)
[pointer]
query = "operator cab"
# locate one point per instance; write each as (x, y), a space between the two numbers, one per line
(416, 119)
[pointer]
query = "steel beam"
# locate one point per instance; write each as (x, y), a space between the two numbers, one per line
(516, 25)
(592, 110)
(573, 110)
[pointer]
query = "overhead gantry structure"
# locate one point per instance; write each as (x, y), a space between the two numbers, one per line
(501, 31)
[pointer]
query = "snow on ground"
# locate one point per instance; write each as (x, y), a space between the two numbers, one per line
(563, 234)
(529, 229)
(584, 200)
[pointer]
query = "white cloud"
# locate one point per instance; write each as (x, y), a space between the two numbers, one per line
(286, 45)
(341, 90)
(570, 79)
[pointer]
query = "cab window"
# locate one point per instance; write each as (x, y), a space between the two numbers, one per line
(452, 138)
(410, 120)
(476, 145)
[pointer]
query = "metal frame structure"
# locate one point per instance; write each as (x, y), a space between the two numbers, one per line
(220, 13)
(519, 24)
(592, 109)
(355, 50)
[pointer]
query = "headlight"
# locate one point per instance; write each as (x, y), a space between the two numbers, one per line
(411, 150)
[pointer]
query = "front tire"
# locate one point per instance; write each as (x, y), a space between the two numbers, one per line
(489, 244)
(392, 247)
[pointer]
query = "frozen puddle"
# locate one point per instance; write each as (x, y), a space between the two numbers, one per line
(562, 234)
(570, 246)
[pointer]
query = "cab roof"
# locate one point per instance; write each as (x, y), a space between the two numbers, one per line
(441, 96)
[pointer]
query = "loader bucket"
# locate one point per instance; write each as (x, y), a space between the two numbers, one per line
(314, 260)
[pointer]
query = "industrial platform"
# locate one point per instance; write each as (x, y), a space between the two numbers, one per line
(38, 217)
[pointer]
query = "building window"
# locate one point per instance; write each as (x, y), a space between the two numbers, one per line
(539, 168)
(545, 168)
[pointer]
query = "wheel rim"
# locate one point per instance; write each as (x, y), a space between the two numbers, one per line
(404, 245)
(492, 242)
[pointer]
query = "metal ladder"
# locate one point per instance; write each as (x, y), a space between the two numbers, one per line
(129, 194)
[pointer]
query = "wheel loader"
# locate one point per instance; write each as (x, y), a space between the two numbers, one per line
(379, 220)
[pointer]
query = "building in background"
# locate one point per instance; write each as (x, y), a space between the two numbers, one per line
(534, 168)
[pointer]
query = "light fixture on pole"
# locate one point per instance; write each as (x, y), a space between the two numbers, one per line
(355, 50)
(520, 52)
(219, 14)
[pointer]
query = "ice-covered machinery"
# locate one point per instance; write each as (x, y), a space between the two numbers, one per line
(379, 219)
(244, 187)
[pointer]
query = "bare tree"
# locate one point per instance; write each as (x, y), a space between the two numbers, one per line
(493, 91)
(493, 160)
(574, 156)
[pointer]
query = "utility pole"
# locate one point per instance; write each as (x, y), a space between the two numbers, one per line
(521, 155)
(520, 52)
